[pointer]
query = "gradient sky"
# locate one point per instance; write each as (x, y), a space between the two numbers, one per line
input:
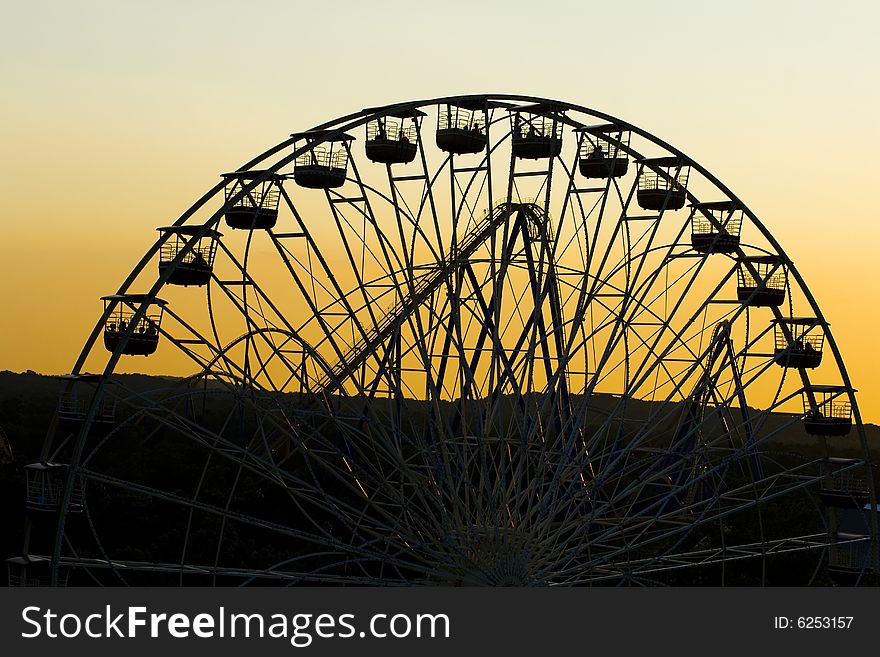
(118, 115)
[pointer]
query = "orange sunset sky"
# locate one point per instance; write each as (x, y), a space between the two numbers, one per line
(118, 115)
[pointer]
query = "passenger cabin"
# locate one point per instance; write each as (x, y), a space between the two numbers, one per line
(663, 183)
(715, 226)
(75, 401)
(393, 138)
(32, 571)
(536, 130)
(324, 162)
(462, 126)
(827, 410)
(136, 337)
(251, 199)
(45, 487)
(187, 254)
(844, 483)
(799, 342)
(761, 281)
(853, 555)
(603, 151)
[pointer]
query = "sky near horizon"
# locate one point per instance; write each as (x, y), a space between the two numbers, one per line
(118, 115)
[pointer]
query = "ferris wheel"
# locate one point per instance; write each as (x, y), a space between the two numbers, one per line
(477, 340)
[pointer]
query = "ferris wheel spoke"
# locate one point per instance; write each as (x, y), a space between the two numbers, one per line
(656, 416)
(265, 331)
(740, 498)
(327, 283)
(678, 334)
(677, 304)
(706, 558)
(211, 509)
(673, 530)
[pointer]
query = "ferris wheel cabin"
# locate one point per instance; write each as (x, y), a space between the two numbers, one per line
(137, 337)
(252, 199)
(715, 227)
(827, 410)
(32, 571)
(602, 153)
(187, 254)
(536, 131)
(799, 342)
(325, 164)
(852, 555)
(393, 138)
(845, 484)
(462, 126)
(663, 183)
(45, 487)
(75, 400)
(761, 281)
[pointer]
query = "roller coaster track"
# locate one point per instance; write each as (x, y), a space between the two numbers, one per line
(358, 354)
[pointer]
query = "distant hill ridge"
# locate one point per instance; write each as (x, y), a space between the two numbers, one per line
(28, 401)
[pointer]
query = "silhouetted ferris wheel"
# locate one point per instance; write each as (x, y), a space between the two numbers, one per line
(505, 341)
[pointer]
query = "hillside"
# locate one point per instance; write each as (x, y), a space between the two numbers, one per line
(28, 401)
